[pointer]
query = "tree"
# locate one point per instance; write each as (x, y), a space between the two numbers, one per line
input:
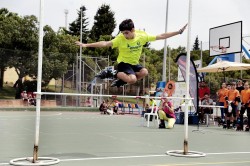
(59, 53)
(25, 41)
(104, 23)
(8, 24)
(18, 39)
(75, 26)
(196, 44)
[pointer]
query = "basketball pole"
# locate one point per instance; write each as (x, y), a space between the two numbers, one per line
(187, 78)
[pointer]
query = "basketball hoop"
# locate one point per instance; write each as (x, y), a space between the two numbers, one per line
(219, 49)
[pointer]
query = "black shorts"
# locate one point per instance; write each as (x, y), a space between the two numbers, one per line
(128, 68)
(233, 112)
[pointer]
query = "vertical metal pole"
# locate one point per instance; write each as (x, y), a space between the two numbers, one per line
(169, 65)
(187, 78)
(83, 64)
(66, 18)
(80, 64)
(143, 81)
(165, 47)
(63, 77)
(201, 55)
(73, 77)
(108, 79)
(77, 79)
(240, 62)
(39, 82)
(96, 80)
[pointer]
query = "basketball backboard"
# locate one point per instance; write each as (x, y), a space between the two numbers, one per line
(225, 39)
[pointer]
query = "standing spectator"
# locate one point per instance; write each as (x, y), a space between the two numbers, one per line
(221, 93)
(239, 87)
(232, 98)
(203, 89)
(245, 105)
(166, 113)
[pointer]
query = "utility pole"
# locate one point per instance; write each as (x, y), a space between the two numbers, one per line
(165, 47)
(66, 12)
(80, 58)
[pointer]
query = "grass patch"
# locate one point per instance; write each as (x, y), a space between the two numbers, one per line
(8, 92)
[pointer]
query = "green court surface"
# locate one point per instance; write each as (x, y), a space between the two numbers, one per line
(92, 139)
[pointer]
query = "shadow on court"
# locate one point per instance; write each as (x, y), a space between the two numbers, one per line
(91, 139)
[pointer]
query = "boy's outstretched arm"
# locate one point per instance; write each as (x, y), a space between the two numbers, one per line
(170, 34)
(96, 44)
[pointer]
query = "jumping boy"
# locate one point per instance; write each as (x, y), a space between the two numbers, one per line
(129, 43)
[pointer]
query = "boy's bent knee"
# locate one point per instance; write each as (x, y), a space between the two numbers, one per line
(144, 72)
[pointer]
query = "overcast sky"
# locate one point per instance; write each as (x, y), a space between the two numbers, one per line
(147, 14)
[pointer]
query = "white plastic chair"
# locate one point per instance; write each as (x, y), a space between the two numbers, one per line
(154, 112)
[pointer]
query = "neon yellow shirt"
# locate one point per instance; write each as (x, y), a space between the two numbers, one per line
(130, 50)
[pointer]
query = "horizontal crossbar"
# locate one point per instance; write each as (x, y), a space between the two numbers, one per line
(112, 96)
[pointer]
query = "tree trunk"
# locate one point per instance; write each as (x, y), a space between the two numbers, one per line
(19, 88)
(1, 77)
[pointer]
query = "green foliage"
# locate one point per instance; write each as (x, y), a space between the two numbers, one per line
(104, 23)
(19, 45)
(59, 53)
(7, 92)
(196, 45)
(16, 34)
(75, 26)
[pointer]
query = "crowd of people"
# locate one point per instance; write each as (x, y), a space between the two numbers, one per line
(234, 99)
(109, 108)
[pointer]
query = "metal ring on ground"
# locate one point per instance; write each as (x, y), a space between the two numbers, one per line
(179, 153)
(28, 161)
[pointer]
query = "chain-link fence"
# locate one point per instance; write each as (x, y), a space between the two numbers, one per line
(61, 73)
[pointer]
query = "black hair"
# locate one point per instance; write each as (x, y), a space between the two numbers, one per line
(126, 25)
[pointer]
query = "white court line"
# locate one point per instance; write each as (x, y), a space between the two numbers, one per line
(108, 158)
(145, 156)
(127, 157)
(225, 153)
(55, 114)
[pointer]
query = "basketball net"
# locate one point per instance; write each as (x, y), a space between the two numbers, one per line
(219, 49)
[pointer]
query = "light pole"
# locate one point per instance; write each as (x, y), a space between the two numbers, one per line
(165, 48)
(80, 56)
(66, 12)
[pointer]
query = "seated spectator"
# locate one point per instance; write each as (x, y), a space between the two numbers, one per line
(103, 108)
(24, 95)
(205, 110)
(203, 89)
(115, 108)
(166, 113)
